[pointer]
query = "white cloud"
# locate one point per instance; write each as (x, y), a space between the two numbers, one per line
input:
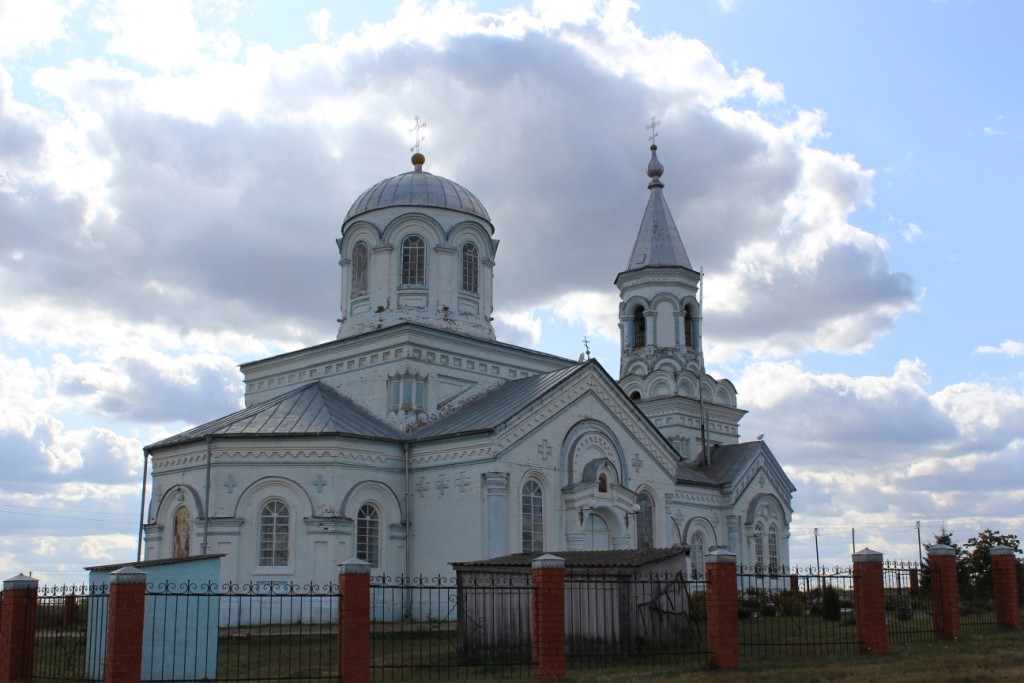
(1009, 347)
(319, 23)
(35, 24)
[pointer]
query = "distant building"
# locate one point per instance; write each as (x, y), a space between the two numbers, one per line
(416, 439)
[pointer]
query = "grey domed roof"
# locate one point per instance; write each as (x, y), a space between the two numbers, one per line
(418, 188)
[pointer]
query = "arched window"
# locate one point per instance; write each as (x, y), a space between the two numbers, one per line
(697, 546)
(639, 328)
(634, 396)
(414, 258)
(368, 535)
(759, 546)
(602, 483)
(470, 268)
(182, 532)
(533, 517)
(645, 522)
(773, 549)
(360, 267)
(688, 326)
(274, 527)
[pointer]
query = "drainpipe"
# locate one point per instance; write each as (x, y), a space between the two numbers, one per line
(142, 503)
(407, 521)
(206, 497)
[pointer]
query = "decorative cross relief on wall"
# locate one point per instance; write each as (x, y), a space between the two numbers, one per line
(462, 482)
(441, 484)
(319, 483)
(544, 450)
(422, 486)
(230, 484)
(638, 463)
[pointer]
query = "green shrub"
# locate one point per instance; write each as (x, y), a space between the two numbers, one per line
(830, 608)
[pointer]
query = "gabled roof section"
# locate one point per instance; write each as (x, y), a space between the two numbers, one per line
(729, 462)
(498, 405)
(582, 559)
(657, 242)
(312, 409)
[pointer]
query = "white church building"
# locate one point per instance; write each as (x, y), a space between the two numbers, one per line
(416, 439)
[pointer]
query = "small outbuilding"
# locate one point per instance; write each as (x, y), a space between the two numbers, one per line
(616, 602)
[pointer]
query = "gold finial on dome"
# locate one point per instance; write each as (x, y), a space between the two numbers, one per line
(418, 161)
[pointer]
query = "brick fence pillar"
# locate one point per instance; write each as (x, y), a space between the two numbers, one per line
(945, 594)
(869, 602)
(354, 644)
(915, 584)
(18, 628)
(723, 609)
(548, 618)
(1004, 586)
(126, 616)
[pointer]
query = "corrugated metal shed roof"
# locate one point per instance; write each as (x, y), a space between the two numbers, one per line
(312, 409)
(584, 559)
(498, 405)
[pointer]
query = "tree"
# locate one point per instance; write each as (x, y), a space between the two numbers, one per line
(945, 537)
(977, 560)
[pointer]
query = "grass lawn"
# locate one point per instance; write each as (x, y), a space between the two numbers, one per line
(996, 656)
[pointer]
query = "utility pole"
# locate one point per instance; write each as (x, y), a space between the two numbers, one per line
(853, 539)
(920, 558)
(817, 557)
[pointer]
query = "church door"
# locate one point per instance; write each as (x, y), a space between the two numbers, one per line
(599, 537)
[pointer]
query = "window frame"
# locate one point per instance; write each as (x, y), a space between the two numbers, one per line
(268, 551)
(368, 534)
(532, 512)
(470, 256)
(413, 261)
(360, 281)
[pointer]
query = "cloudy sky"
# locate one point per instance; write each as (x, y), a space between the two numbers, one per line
(848, 175)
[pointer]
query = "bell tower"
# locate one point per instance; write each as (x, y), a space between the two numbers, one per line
(661, 360)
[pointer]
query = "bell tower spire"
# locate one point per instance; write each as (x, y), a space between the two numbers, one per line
(659, 314)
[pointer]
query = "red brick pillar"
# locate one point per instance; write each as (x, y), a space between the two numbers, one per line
(723, 609)
(914, 582)
(1004, 585)
(126, 617)
(548, 618)
(18, 628)
(945, 594)
(869, 602)
(354, 645)
(794, 583)
(70, 609)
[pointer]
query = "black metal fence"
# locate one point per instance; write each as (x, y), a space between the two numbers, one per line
(794, 612)
(62, 644)
(652, 619)
(477, 627)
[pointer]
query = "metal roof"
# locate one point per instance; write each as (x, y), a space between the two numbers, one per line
(583, 559)
(657, 242)
(313, 409)
(498, 405)
(418, 188)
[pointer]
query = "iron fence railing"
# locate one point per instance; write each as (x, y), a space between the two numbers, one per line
(62, 646)
(978, 609)
(796, 612)
(908, 604)
(651, 618)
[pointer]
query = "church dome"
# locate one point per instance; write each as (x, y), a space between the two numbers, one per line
(418, 188)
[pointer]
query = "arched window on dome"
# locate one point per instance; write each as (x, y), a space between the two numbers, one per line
(274, 529)
(368, 535)
(360, 268)
(414, 261)
(533, 517)
(688, 326)
(773, 549)
(645, 522)
(470, 268)
(639, 328)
